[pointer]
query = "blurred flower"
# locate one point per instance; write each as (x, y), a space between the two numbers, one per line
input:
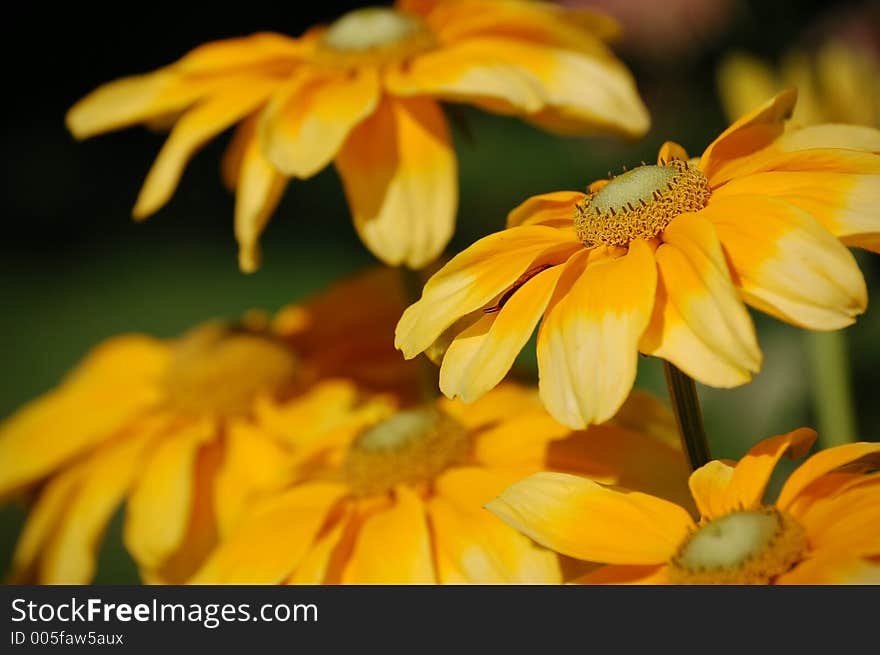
(363, 93)
(840, 84)
(824, 527)
(162, 424)
(659, 260)
(402, 501)
(663, 31)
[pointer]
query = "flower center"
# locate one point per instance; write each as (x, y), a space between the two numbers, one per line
(375, 35)
(219, 369)
(411, 447)
(640, 203)
(746, 547)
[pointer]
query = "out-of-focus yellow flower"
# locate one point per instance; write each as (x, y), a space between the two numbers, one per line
(839, 84)
(824, 527)
(363, 93)
(168, 424)
(402, 501)
(659, 260)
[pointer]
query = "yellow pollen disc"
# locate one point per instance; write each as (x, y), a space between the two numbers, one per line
(219, 369)
(374, 35)
(411, 447)
(640, 203)
(746, 547)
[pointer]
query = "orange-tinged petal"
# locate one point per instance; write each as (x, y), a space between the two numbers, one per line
(554, 209)
(625, 574)
(315, 565)
(849, 457)
(161, 501)
(588, 341)
(240, 52)
(786, 263)
(709, 485)
(520, 444)
(393, 546)
(752, 473)
(279, 531)
(115, 384)
(481, 356)
(474, 547)
(259, 189)
(749, 134)
(561, 90)
(197, 126)
(834, 568)
(304, 126)
(474, 277)
(580, 518)
(400, 177)
(671, 150)
(699, 322)
(849, 521)
(845, 204)
(624, 458)
(506, 400)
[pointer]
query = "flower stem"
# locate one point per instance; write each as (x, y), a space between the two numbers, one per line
(688, 415)
(831, 387)
(428, 375)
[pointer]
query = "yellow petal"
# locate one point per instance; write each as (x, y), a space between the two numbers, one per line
(625, 574)
(752, 473)
(196, 127)
(580, 518)
(709, 485)
(699, 322)
(749, 134)
(505, 400)
(519, 443)
(271, 543)
(400, 177)
(786, 264)
(845, 205)
(830, 135)
(393, 546)
(315, 565)
(849, 521)
(850, 457)
(671, 150)
(477, 275)
(834, 568)
(230, 54)
(624, 458)
(480, 357)
(259, 189)
(555, 209)
(474, 547)
(161, 502)
(304, 126)
(115, 384)
(588, 341)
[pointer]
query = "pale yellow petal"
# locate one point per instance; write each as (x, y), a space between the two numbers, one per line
(580, 518)
(709, 485)
(786, 264)
(400, 176)
(699, 322)
(588, 341)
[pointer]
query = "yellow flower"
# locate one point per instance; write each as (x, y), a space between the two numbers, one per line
(839, 83)
(402, 501)
(363, 93)
(168, 425)
(659, 260)
(824, 527)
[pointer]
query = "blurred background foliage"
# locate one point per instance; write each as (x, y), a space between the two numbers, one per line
(77, 269)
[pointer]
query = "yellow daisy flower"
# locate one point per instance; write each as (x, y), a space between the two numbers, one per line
(823, 528)
(163, 424)
(402, 501)
(658, 260)
(363, 92)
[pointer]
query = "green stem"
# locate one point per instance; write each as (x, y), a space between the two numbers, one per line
(428, 373)
(688, 415)
(831, 388)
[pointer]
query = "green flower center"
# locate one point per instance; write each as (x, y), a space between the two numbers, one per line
(745, 547)
(372, 28)
(640, 203)
(411, 447)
